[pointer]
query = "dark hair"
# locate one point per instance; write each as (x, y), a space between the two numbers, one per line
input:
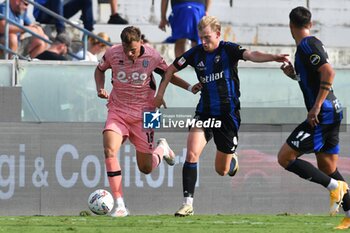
(130, 34)
(300, 16)
(144, 39)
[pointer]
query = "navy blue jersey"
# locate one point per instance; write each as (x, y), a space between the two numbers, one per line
(217, 72)
(309, 57)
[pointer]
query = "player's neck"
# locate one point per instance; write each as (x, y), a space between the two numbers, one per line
(300, 35)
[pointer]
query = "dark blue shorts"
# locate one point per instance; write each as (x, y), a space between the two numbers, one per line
(322, 138)
(184, 20)
(226, 136)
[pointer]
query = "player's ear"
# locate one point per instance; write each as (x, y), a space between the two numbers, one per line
(218, 34)
(309, 25)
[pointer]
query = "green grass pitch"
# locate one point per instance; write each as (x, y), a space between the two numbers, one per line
(167, 224)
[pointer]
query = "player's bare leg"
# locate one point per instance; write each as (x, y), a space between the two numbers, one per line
(226, 163)
(148, 162)
(180, 47)
(112, 142)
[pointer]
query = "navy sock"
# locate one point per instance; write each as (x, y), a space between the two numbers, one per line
(346, 199)
(189, 178)
(309, 172)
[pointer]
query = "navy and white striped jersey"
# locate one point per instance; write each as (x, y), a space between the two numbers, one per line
(217, 72)
(309, 57)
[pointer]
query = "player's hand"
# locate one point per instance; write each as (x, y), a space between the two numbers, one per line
(312, 118)
(288, 70)
(281, 58)
(159, 101)
(196, 88)
(103, 94)
(162, 25)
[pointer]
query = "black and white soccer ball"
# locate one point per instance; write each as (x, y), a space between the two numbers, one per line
(101, 202)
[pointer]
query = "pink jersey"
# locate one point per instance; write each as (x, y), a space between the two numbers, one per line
(133, 82)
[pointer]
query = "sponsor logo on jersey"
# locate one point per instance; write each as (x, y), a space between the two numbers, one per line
(217, 58)
(181, 61)
(201, 66)
(212, 77)
(315, 59)
(145, 63)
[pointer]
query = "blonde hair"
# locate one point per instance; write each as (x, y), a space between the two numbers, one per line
(103, 35)
(211, 21)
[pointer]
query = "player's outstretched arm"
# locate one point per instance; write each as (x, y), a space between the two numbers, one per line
(257, 56)
(178, 81)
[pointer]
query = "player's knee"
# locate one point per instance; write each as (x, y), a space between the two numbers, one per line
(191, 156)
(145, 169)
(109, 153)
(282, 161)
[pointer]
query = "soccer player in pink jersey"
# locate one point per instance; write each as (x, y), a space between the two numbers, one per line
(133, 92)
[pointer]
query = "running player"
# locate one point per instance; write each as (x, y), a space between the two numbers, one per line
(320, 132)
(215, 63)
(133, 92)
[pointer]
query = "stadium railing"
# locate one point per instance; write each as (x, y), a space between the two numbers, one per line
(85, 32)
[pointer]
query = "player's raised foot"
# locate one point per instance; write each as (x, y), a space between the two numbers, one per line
(344, 224)
(234, 167)
(185, 210)
(168, 155)
(119, 212)
(336, 197)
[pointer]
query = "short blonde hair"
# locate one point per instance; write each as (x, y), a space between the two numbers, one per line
(211, 21)
(95, 41)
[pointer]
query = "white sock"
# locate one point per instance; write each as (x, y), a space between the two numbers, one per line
(120, 202)
(188, 201)
(332, 185)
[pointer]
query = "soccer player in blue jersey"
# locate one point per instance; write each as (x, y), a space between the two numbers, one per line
(215, 63)
(319, 133)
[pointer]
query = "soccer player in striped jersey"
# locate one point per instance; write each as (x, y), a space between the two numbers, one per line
(215, 63)
(319, 133)
(133, 92)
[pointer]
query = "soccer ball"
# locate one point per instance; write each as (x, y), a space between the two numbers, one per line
(100, 202)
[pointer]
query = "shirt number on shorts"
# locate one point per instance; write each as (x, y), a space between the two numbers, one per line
(302, 135)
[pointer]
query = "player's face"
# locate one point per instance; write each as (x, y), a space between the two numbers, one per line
(209, 38)
(132, 50)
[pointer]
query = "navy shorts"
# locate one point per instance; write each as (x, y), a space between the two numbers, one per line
(184, 20)
(226, 136)
(322, 138)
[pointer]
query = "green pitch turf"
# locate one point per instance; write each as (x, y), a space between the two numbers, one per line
(167, 224)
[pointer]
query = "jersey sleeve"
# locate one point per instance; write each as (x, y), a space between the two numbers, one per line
(235, 51)
(317, 55)
(185, 59)
(104, 63)
(161, 65)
